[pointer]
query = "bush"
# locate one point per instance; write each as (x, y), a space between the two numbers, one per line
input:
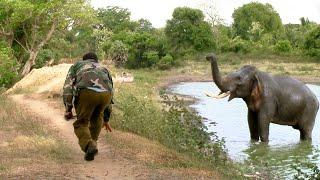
(166, 62)
(283, 46)
(43, 57)
(177, 127)
(151, 58)
(240, 45)
(312, 42)
(119, 53)
(8, 66)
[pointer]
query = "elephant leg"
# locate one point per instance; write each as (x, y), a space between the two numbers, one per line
(253, 125)
(305, 134)
(306, 122)
(263, 123)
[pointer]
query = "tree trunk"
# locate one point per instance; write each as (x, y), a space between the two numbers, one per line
(31, 62)
(215, 72)
(34, 52)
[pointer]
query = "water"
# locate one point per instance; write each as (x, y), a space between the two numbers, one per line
(284, 149)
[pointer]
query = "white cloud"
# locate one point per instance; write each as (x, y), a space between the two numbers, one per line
(158, 11)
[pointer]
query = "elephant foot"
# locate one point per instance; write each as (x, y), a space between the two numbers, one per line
(305, 138)
(254, 139)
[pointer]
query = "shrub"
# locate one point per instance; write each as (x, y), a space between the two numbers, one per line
(166, 62)
(240, 45)
(177, 127)
(119, 53)
(43, 57)
(312, 42)
(283, 46)
(8, 66)
(151, 58)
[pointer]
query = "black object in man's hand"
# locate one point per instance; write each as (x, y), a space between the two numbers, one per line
(68, 115)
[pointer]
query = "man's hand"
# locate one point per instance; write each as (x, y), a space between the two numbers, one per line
(68, 115)
(107, 126)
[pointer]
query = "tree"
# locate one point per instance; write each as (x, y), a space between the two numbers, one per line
(219, 29)
(250, 14)
(144, 25)
(187, 29)
(212, 16)
(312, 42)
(119, 53)
(115, 19)
(11, 16)
(36, 22)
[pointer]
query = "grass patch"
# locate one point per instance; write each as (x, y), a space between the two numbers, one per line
(27, 139)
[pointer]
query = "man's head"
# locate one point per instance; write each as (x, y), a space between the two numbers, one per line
(90, 55)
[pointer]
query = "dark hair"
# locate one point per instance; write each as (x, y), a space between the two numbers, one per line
(90, 55)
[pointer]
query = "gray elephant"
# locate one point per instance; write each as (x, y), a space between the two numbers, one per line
(270, 99)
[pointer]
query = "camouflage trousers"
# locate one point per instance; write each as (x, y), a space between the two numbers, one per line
(90, 106)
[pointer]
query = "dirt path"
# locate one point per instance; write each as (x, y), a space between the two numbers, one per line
(105, 166)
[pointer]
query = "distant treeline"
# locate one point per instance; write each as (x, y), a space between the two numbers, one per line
(34, 32)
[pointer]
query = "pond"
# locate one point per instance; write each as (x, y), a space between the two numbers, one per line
(283, 152)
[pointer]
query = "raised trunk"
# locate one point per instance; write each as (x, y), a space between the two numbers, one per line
(215, 72)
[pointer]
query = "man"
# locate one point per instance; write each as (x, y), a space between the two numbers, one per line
(88, 87)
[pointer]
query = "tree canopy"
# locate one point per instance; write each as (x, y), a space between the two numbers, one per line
(188, 29)
(253, 14)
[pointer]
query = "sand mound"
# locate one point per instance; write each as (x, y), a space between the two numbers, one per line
(46, 79)
(51, 79)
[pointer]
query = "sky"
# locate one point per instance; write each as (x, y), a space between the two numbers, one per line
(159, 11)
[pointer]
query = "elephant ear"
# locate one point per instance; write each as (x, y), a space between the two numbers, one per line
(256, 94)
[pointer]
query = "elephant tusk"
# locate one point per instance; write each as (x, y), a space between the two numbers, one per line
(220, 96)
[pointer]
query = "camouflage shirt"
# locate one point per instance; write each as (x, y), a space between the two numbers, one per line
(87, 74)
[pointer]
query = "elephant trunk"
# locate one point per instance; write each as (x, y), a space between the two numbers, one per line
(215, 72)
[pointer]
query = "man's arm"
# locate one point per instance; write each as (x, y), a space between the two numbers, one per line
(68, 88)
(106, 117)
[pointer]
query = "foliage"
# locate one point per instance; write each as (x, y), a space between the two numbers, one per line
(283, 46)
(145, 48)
(119, 53)
(8, 66)
(44, 56)
(103, 41)
(312, 42)
(177, 127)
(240, 45)
(255, 31)
(188, 30)
(166, 62)
(151, 58)
(36, 21)
(223, 37)
(115, 19)
(144, 25)
(248, 15)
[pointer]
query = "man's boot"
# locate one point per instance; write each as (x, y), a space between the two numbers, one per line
(91, 151)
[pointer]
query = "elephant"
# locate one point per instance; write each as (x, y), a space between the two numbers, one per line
(269, 98)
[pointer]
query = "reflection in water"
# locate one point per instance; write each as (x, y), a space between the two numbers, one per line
(280, 161)
(279, 157)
